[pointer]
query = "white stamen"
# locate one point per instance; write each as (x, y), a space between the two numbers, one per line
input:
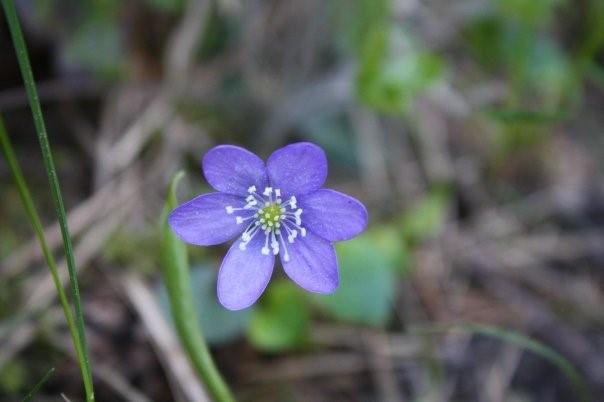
(285, 253)
(265, 249)
(281, 225)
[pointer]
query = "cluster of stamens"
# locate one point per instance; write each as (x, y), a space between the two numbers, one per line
(268, 214)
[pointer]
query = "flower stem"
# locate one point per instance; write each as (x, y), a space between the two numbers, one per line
(175, 267)
(34, 103)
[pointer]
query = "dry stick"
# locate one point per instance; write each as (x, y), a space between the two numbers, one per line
(86, 249)
(369, 137)
(328, 94)
(179, 57)
(79, 218)
(382, 368)
(178, 64)
(312, 366)
(168, 348)
(498, 379)
(124, 152)
(51, 91)
(108, 375)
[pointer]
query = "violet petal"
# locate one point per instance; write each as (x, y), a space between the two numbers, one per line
(312, 264)
(232, 169)
(297, 168)
(244, 274)
(204, 221)
(333, 215)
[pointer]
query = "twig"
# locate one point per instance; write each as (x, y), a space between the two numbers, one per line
(170, 352)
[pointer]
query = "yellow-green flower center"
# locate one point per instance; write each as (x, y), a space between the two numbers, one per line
(267, 214)
(271, 215)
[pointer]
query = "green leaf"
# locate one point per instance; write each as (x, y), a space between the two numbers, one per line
(393, 86)
(332, 133)
(389, 243)
(532, 13)
(356, 19)
(367, 284)
(13, 376)
(96, 46)
(220, 325)
(170, 6)
(426, 218)
(509, 116)
(282, 320)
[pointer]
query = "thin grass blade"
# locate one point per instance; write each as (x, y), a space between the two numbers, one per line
(34, 103)
(522, 341)
(39, 385)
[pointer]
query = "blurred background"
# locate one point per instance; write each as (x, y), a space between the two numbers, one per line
(470, 128)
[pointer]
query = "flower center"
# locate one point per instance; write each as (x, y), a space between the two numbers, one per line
(280, 222)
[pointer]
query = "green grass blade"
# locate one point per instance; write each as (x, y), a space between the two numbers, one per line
(39, 385)
(36, 223)
(527, 343)
(175, 267)
(34, 103)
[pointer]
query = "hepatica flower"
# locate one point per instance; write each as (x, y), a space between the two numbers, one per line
(277, 209)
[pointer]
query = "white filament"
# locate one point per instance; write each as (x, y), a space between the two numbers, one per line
(286, 224)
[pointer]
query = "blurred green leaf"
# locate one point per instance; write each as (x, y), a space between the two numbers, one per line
(484, 38)
(171, 6)
(510, 38)
(427, 217)
(388, 80)
(333, 135)
(389, 243)
(95, 45)
(533, 12)
(525, 116)
(357, 18)
(13, 376)
(219, 325)
(392, 87)
(367, 284)
(282, 320)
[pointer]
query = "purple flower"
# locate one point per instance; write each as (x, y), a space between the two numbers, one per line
(274, 209)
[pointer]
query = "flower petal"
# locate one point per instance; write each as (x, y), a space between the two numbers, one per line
(312, 264)
(332, 215)
(204, 221)
(244, 274)
(231, 169)
(297, 168)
